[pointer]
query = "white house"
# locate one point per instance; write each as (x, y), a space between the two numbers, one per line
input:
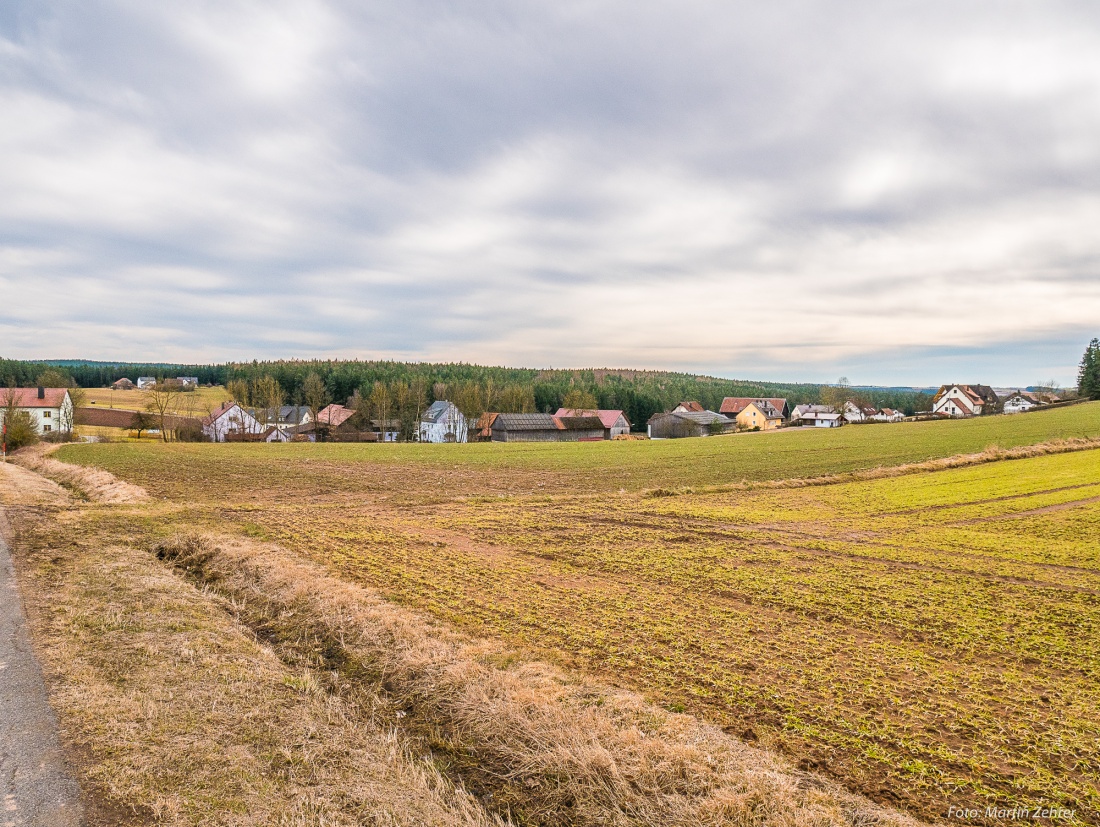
(190, 382)
(1021, 401)
(51, 409)
(808, 414)
(442, 422)
(964, 400)
(888, 415)
(828, 420)
(144, 382)
(230, 420)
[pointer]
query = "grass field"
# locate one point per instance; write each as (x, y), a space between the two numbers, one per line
(928, 640)
(201, 399)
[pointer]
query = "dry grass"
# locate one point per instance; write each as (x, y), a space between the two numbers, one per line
(181, 717)
(547, 748)
(93, 484)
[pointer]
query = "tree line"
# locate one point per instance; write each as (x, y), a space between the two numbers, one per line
(411, 386)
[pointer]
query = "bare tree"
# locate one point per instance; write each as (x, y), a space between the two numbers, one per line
(160, 400)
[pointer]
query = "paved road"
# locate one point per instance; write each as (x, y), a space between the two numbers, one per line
(36, 788)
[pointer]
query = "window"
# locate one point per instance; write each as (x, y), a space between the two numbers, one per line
(47, 427)
(47, 414)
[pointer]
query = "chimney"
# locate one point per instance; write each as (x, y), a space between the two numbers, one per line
(41, 393)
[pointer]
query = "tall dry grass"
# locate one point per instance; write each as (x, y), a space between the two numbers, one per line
(94, 484)
(546, 748)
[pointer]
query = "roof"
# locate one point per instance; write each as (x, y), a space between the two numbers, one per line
(123, 381)
(698, 417)
(545, 422)
(736, 404)
(524, 422)
(608, 417)
(802, 410)
(978, 394)
(485, 423)
(287, 414)
(437, 411)
(693, 407)
(28, 397)
(334, 415)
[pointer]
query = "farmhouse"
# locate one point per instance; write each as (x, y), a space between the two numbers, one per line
(145, 382)
(51, 409)
(233, 423)
(614, 422)
(1021, 401)
(857, 413)
(122, 384)
(964, 400)
(679, 424)
(188, 383)
(442, 422)
(546, 428)
(732, 406)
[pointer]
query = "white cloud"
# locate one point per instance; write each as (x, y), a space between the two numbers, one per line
(720, 187)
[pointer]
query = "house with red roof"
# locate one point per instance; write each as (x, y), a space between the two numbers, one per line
(734, 405)
(51, 409)
(614, 422)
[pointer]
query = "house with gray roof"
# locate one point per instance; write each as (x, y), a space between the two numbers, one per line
(442, 422)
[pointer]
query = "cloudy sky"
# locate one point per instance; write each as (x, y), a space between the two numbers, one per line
(898, 192)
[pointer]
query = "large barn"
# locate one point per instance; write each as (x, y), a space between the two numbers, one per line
(546, 428)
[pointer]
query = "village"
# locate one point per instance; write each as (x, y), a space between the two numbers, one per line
(54, 417)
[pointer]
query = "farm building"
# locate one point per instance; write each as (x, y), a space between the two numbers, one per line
(546, 428)
(482, 430)
(965, 400)
(231, 423)
(122, 384)
(51, 409)
(734, 405)
(188, 382)
(442, 422)
(145, 382)
(615, 423)
(678, 424)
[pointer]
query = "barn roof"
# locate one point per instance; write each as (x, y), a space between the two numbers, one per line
(334, 415)
(607, 417)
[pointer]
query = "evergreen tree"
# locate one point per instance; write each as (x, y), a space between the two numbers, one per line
(1088, 376)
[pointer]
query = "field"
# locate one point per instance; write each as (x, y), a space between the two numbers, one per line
(928, 640)
(201, 400)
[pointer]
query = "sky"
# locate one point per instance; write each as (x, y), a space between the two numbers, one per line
(901, 193)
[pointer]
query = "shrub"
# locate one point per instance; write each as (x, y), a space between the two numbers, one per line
(21, 428)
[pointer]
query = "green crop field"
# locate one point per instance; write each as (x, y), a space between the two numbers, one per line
(928, 640)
